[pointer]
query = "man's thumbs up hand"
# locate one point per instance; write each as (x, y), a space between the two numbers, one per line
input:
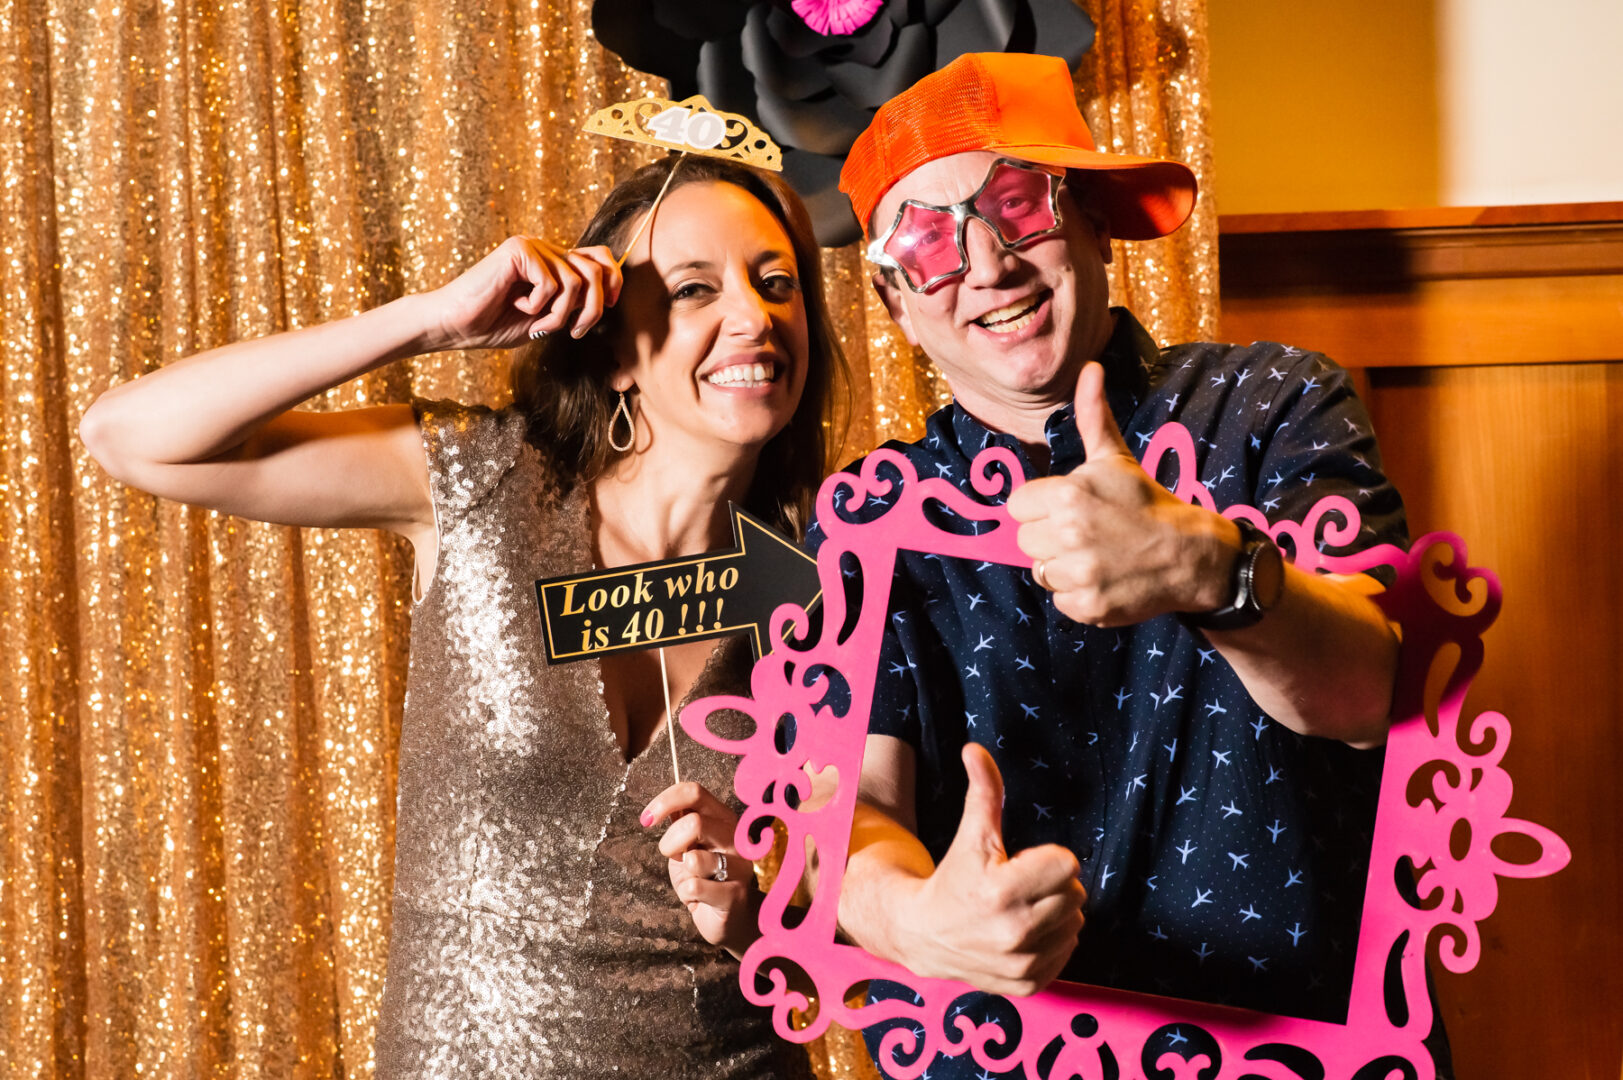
(1004, 925)
(1101, 438)
(1112, 545)
(978, 844)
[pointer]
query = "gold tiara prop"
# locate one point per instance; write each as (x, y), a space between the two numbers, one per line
(691, 125)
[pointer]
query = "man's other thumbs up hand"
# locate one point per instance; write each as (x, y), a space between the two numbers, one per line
(1004, 925)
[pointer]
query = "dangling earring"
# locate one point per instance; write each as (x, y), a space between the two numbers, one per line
(631, 428)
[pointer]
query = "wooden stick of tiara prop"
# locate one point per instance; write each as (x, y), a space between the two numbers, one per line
(636, 233)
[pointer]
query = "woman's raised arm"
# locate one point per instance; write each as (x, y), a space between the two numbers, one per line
(217, 430)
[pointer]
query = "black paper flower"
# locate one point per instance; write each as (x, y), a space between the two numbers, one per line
(813, 93)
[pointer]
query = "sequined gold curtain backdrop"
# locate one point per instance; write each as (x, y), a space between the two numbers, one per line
(196, 783)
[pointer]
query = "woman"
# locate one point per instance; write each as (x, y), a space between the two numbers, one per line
(534, 931)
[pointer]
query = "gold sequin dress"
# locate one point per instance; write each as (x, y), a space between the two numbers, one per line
(535, 930)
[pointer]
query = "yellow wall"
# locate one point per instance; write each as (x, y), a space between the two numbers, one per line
(1323, 104)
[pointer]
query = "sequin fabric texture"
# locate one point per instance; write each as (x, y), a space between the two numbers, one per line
(536, 933)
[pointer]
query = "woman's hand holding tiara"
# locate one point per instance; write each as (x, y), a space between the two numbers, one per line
(525, 288)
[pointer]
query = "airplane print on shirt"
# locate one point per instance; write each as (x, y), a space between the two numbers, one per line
(1186, 806)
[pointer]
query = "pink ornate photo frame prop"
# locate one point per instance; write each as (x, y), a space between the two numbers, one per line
(1443, 791)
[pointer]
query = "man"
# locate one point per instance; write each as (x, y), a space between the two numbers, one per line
(1181, 719)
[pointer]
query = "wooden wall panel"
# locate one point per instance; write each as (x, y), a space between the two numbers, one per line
(1445, 322)
(1460, 286)
(1526, 463)
(1488, 344)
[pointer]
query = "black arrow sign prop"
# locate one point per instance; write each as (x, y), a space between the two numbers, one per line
(687, 599)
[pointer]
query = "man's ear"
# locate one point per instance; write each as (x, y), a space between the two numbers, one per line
(891, 295)
(1101, 226)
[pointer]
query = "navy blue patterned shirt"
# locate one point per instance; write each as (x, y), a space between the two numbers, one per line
(1223, 855)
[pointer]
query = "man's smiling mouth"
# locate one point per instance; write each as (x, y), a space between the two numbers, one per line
(1012, 317)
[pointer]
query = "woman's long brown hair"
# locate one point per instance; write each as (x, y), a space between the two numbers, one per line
(561, 384)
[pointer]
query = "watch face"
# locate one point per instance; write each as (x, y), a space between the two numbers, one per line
(1267, 576)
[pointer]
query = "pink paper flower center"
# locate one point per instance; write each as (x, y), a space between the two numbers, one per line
(832, 17)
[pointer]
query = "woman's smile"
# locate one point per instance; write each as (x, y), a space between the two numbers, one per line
(746, 372)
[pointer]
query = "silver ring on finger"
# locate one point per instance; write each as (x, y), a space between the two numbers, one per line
(1039, 577)
(720, 873)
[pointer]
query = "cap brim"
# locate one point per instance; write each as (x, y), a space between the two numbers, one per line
(1142, 197)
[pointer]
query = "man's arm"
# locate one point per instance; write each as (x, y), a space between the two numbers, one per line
(1118, 548)
(1004, 925)
(1324, 659)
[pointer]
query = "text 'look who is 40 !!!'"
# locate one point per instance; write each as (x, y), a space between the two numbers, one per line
(729, 591)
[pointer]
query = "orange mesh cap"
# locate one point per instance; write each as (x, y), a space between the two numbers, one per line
(1023, 106)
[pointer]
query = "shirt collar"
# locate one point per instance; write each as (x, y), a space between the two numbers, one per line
(1127, 358)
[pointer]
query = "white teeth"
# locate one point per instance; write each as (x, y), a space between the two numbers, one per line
(1013, 324)
(741, 375)
(1008, 318)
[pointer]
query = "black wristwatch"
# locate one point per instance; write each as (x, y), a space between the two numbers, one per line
(1259, 579)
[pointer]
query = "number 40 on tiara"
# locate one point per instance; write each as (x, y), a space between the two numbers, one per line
(691, 125)
(679, 124)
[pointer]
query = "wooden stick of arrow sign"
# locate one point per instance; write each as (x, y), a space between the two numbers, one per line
(652, 604)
